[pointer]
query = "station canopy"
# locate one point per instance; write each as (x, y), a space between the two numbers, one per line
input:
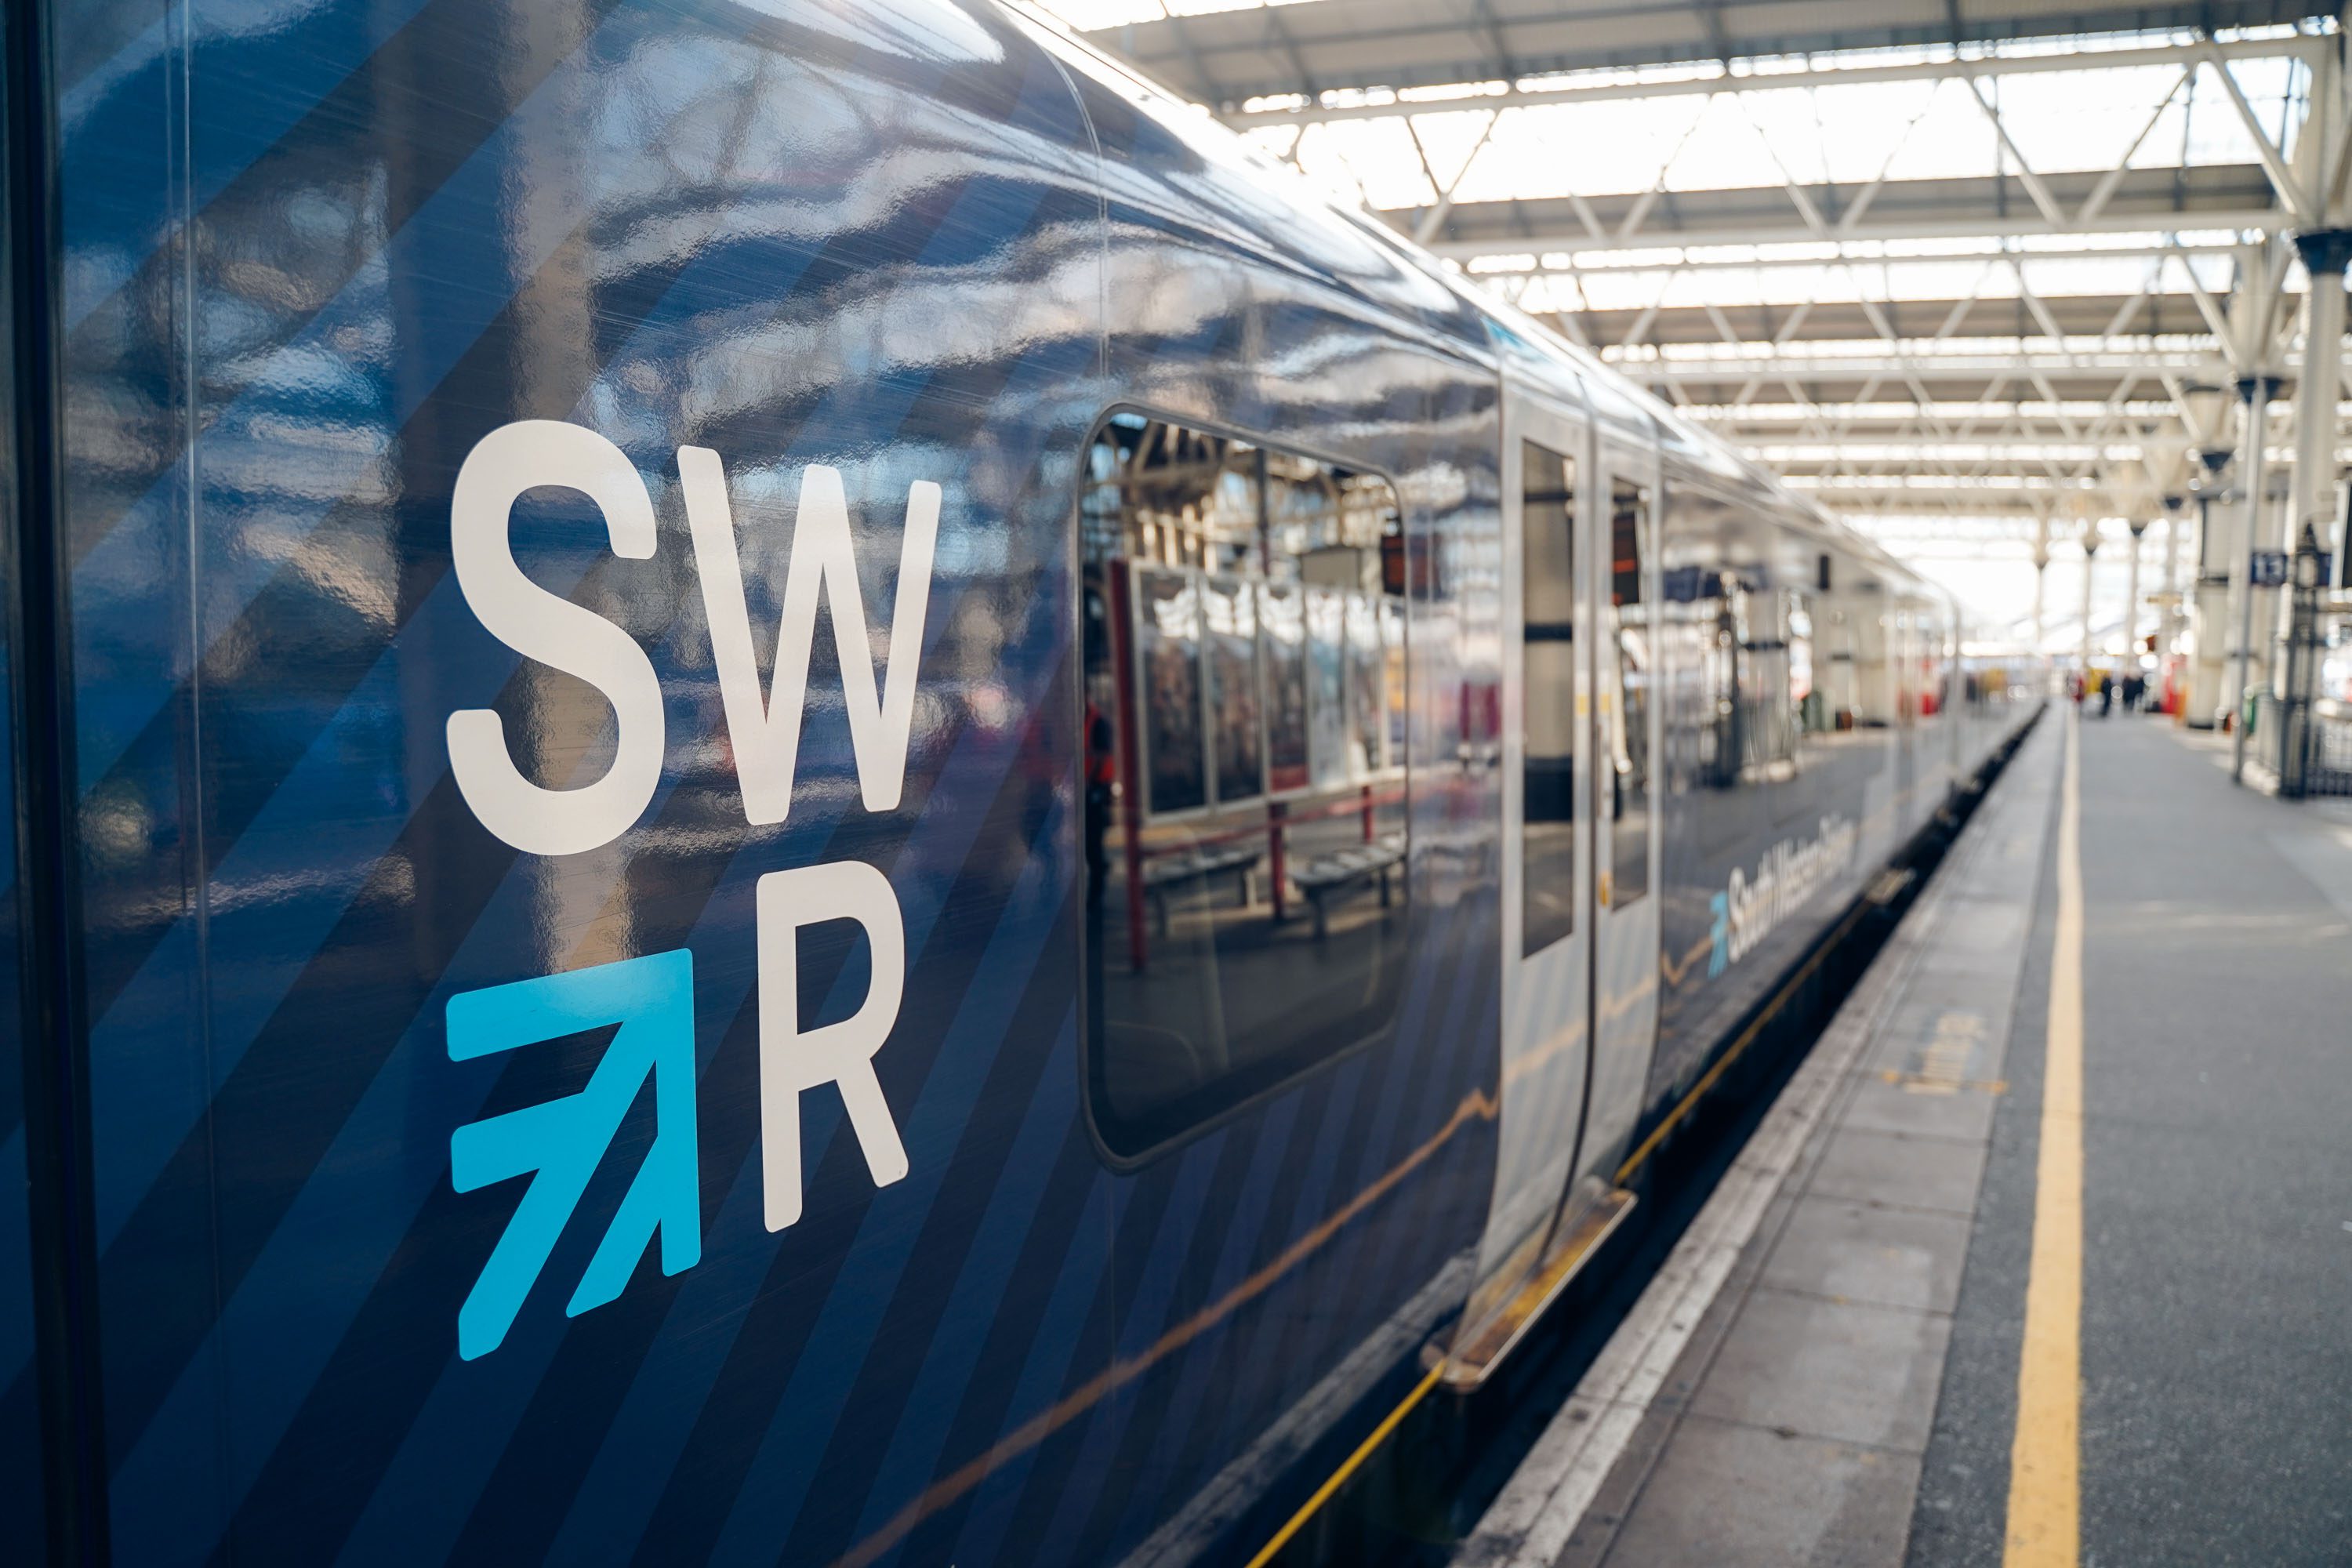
(1953, 266)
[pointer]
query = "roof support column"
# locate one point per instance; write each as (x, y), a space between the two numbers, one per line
(2040, 571)
(2257, 391)
(2090, 553)
(2131, 599)
(2207, 599)
(2167, 625)
(2326, 253)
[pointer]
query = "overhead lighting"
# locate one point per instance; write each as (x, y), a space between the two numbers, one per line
(2210, 412)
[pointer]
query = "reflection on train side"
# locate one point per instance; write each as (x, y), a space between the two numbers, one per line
(1787, 668)
(1244, 771)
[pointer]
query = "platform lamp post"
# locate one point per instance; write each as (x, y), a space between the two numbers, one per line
(2206, 409)
(2131, 598)
(2255, 392)
(2090, 552)
(2040, 571)
(2299, 654)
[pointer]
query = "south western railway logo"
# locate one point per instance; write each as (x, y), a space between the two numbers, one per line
(1790, 872)
(651, 998)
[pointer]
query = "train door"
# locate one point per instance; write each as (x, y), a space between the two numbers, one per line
(1622, 598)
(1548, 837)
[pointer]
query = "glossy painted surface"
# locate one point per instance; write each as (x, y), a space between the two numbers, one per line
(316, 253)
(22, 1501)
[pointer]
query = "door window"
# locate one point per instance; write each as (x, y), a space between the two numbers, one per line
(1627, 771)
(1548, 601)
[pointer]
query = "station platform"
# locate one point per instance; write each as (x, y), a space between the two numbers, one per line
(2044, 1255)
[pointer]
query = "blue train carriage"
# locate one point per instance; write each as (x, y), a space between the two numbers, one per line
(23, 1299)
(836, 797)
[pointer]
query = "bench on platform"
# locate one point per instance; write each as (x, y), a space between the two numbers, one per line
(1164, 874)
(1321, 875)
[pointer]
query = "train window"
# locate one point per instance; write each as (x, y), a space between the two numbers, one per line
(1548, 601)
(1245, 768)
(1804, 695)
(1770, 725)
(1628, 771)
(1935, 671)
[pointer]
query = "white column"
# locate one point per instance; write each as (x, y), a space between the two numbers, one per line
(2040, 571)
(2131, 599)
(2325, 254)
(2209, 616)
(2257, 391)
(2175, 529)
(2090, 551)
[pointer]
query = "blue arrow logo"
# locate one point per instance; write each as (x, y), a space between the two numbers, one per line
(652, 1000)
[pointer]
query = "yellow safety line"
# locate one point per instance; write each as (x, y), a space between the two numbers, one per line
(2045, 1460)
(1340, 1477)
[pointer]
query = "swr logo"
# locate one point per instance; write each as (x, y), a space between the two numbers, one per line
(561, 1142)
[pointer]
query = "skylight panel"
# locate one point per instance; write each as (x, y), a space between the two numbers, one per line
(1744, 141)
(1375, 157)
(1842, 134)
(1094, 15)
(1945, 134)
(1210, 8)
(1588, 148)
(1450, 92)
(1985, 277)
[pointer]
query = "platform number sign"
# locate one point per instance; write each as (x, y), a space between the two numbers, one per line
(560, 1143)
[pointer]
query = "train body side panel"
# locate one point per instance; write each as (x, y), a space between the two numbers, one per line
(22, 1499)
(564, 1088)
(1322, 1218)
(1775, 820)
(329, 983)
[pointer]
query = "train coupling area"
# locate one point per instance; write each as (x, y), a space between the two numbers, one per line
(1964, 1298)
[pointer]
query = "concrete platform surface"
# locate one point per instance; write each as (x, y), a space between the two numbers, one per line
(1840, 1385)
(2216, 1421)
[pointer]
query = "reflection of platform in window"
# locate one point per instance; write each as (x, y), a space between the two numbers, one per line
(1236, 715)
(1168, 635)
(1234, 997)
(1367, 672)
(1247, 916)
(1286, 739)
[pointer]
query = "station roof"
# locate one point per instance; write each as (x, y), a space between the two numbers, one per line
(1226, 53)
(1948, 266)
